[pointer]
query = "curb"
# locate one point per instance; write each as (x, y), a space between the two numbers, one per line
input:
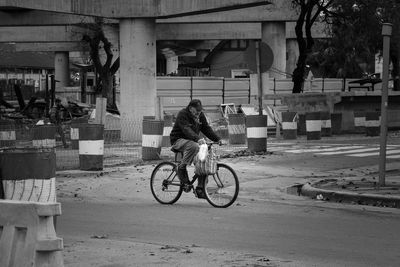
(349, 197)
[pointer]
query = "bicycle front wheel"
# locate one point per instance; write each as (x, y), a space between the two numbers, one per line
(222, 188)
(165, 184)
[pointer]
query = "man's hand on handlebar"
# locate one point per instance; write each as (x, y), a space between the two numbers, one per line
(201, 141)
(221, 142)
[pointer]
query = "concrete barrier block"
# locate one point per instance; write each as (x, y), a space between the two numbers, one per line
(27, 234)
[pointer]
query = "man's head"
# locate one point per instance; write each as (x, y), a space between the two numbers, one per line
(195, 107)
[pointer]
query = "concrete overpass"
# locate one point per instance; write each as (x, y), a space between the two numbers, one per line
(60, 25)
(137, 40)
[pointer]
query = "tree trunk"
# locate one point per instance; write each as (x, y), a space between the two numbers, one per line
(298, 73)
(298, 80)
(106, 90)
(395, 58)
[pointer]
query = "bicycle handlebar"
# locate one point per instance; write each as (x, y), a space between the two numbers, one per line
(213, 143)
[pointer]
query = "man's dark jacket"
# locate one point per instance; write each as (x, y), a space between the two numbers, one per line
(187, 127)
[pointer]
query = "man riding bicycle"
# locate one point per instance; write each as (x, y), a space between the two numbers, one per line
(185, 138)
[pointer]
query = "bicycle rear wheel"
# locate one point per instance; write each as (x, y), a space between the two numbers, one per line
(222, 188)
(165, 184)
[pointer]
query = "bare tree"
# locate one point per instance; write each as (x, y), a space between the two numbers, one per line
(309, 12)
(105, 70)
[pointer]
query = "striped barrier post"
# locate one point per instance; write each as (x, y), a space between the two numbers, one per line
(222, 131)
(301, 125)
(74, 135)
(91, 147)
(152, 139)
(289, 125)
(313, 125)
(326, 124)
(168, 123)
(28, 174)
(7, 133)
(372, 124)
(74, 131)
(256, 132)
(237, 128)
(149, 117)
(336, 119)
(28, 236)
(359, 121)
(44, 136)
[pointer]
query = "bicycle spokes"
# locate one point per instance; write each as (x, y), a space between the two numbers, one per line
(222, 188)
(165, 186)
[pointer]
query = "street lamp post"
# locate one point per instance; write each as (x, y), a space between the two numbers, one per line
(386, 33)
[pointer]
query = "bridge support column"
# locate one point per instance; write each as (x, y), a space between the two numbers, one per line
(274, 35)
(61, 69)
(293, 55)
(137, 75)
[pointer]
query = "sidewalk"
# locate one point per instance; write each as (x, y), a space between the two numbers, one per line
(361, 189)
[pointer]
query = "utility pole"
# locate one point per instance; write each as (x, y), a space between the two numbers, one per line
(386, 33)
(259, 74)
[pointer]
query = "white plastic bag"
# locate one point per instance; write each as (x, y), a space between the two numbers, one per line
(202, 155)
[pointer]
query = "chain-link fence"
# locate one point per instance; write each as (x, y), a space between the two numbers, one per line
(27, 134)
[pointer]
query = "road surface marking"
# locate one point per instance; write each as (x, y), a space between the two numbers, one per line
(310, 150)
(389, 152)
(349, 151)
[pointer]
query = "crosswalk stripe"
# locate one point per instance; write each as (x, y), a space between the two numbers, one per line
(282, 148)
(310, 150)
(389, 152)
(393, 157)
(349, 151)
(281, 144)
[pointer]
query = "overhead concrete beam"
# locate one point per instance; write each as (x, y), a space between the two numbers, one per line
(51, 47)
(208, 31)
(177, 8)
(132, 8)
(195, 31)
(42, 34)
(44, 18)
(53, 34)
(277, 11)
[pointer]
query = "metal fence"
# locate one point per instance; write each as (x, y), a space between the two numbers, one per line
(116, 151)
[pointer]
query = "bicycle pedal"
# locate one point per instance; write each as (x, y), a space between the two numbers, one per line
(186, 188)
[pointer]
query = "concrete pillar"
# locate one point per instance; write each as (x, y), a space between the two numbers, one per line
(292, 55)
(61, 69)
(137, 75)
(274, 35)
(172, 64)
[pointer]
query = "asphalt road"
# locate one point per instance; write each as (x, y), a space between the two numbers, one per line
(313, 236)
(299, 231)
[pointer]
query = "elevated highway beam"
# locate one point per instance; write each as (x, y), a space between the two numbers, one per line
(194, 31)
(51, 47)
(132, 8)
(44, 18)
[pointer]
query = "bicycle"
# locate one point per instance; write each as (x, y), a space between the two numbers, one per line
(220, 189)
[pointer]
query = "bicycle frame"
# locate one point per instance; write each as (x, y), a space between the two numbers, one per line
(196, 176)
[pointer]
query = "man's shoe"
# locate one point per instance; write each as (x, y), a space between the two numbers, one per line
(184, 178)
(199, 192)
